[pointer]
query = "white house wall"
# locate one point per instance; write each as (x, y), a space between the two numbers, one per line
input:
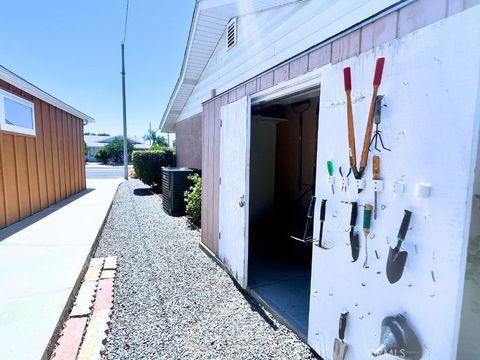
(430, 83)
(269, 37)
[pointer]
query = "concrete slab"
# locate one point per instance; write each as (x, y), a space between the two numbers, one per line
(40, 264)
(96, 334)
(107, 274)
(93, 273)
(84, 301)
(110, 263)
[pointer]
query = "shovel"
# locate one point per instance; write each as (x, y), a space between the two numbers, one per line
(354, 241)
(340, 347)
(396, 258)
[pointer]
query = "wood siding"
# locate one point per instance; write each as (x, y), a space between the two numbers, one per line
(41, 170)
(383, 30)
(188, 140)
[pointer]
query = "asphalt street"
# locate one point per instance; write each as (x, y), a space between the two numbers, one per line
(104, 172)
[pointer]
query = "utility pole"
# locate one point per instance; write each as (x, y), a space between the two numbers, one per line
(150, 132)
(125, 138)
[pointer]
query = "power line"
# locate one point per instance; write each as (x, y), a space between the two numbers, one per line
(126, 22)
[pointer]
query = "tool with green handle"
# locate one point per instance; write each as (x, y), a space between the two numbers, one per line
(330, 173)
(367, 220)
(396, 258)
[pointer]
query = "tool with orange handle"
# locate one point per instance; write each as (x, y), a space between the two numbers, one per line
(377, 79)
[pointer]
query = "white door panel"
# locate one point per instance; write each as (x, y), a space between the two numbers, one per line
(233, 197)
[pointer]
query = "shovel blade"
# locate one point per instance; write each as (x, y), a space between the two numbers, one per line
(339, 349)
(355, 246)
(395, 264)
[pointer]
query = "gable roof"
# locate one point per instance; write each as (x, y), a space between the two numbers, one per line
(15, 80)
(210, 18)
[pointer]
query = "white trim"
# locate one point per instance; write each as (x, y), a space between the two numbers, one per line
(14, 128)
(15, 80)
(289, 87)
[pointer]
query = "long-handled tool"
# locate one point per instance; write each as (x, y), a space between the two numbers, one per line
(367, 219)
(340, 347)
(320, 242)
(396, 258)
(307, 234)
(376, 176)
(347, 79)
(354, 241)
(377, 79)
(377, 134)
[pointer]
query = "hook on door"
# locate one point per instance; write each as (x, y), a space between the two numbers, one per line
(241, 203)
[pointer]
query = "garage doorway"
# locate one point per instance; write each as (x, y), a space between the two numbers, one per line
(282, 182)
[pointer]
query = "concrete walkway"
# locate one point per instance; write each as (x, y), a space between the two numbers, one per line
(41, 259)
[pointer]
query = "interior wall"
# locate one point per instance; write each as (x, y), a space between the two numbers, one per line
(287, 155)
(429, 121)
(41, 170)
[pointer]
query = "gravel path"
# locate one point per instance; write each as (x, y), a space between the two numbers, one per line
(171, 300)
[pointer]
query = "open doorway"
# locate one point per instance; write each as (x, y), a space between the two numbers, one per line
(282, 182)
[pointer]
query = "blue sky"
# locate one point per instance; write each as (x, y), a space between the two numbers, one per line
(71, 49)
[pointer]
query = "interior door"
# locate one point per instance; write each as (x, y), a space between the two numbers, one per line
(233, 197)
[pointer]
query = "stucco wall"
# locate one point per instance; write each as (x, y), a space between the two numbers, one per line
(189, 142)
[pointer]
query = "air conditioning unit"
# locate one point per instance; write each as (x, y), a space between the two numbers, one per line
(174, 184)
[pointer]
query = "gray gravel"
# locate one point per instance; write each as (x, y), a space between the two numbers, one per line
(174, 302)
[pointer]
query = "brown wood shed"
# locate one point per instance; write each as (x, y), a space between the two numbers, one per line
(41, 149)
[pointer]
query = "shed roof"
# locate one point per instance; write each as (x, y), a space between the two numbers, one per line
(210, 18)
(17, 81)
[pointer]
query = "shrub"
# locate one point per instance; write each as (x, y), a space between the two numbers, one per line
(148, 165)
(102, 156)
(193, 199)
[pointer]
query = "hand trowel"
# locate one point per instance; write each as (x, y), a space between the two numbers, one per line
(354, 241)
(396, 258)
(340, 347)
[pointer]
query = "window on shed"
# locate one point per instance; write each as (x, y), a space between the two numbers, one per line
(16, 114)
(231, 33)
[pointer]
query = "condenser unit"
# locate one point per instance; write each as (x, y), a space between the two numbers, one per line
(174, 184)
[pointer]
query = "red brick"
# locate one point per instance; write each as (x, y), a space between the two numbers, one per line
(71, 338)
(320, 57)
(104, 298)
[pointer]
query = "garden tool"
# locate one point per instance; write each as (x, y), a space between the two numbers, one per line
(396, 258)
(330, 173)
(307, 236)
(367, 219)
(377, 135)
(398, 339)
(340, 347)
(344, 186)
(320, 242)
(354, 241)
(376, 176)
(358, 173)
(347, 78)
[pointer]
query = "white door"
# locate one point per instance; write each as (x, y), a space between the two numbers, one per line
(233, 197)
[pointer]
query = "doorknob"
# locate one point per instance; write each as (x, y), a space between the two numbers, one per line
(241, 203)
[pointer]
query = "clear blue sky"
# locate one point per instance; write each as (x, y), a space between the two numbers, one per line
(71, 49)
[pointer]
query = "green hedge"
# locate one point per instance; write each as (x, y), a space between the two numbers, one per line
(148, 165)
